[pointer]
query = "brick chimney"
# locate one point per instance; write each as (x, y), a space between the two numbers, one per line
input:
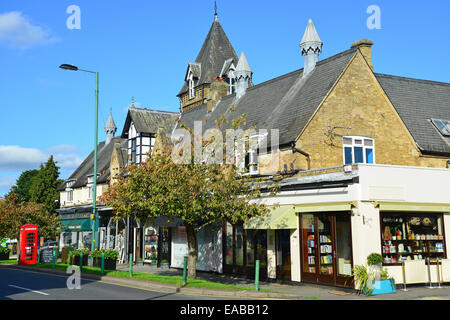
(365, 46)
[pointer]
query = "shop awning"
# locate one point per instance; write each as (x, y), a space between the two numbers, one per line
(76, 225)
(412, 207)
(325, 207)
(282, 217)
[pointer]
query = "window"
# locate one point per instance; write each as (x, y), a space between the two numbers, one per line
(443, 126)
(358, 150)
(412, 237)
(232, 85)
(133, 150)
(251, 161)
(69, 190)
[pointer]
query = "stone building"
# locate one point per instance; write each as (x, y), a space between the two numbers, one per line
(361, 159)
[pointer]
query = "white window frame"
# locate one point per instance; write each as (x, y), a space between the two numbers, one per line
(190, 80)
(69, 191)
(362, 145)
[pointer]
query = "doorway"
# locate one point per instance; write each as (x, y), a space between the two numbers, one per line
(283, 254)
(326, 248)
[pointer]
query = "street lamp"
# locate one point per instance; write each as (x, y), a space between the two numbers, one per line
(94, 194)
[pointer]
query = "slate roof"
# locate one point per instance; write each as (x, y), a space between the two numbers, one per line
(86, 168)
(417, 102)
(148, 121)
(285, 103)
(215, 50)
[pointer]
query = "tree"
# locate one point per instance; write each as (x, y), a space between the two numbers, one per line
(196, 193)
(15, 213)
(44, 189)
(23, 185)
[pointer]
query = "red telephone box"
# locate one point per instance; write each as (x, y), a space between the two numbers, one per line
(28, 240)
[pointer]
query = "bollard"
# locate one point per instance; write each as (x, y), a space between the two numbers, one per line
(81, 261)
(53, 261)
(18, 258)
(438, 274)
(257, 276)
(404, 276)
(430, 286)
(130, 261)
(38, 256)
(185, 262)
(103, 263)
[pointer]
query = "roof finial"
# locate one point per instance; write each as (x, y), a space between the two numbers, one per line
(215, 10)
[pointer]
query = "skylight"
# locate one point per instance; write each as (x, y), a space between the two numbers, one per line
(443, 126)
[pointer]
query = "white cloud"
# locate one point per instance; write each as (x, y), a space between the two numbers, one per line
(16, 158)
(17, 31)
(7, 182)
(63, 148)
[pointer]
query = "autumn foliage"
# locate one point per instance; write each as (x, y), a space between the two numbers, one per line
(14, 213)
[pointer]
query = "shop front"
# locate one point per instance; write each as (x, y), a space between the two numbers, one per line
(413, 232)
(326, 243)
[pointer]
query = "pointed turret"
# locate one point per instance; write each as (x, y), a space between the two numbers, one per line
(110, 129)
(243, 76)
(216, 49)
(311, 46)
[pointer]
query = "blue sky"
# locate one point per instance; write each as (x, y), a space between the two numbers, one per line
(141, 48)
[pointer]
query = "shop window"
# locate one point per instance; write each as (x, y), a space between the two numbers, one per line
(358, 150)
(412, 237)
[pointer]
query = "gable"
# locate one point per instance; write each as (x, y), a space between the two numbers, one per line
(358, 106)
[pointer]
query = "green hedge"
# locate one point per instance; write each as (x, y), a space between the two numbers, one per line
(5, 250)
(109, 254)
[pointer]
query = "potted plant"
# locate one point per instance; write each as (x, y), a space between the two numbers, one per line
(4, 253)
(165, 264)
(76, 254)
(139, 262)
(373, 280)
(385, 284)
(375, 261)
(110, 258)
(363, 279)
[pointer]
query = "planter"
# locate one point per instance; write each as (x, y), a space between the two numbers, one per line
(164, 266)
(76, 260)
(110, 264)
(140, 263)
(4, 256)
(381, 287)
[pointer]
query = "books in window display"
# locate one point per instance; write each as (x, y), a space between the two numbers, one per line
(326, 270)
(324, 239)
(326, 259)
(326, 249)
(311, 260)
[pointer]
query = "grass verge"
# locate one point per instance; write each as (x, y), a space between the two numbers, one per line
(8, 261)
(172, 280)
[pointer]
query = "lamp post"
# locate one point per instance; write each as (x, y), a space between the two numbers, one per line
(94, 215)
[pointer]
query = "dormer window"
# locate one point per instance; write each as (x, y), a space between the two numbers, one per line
(69, 190)
(358, 150)
(191, 89)
(90, 185)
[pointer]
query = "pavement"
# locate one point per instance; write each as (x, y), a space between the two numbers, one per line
(283, 291)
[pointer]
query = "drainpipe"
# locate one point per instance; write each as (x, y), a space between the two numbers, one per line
(308, 158)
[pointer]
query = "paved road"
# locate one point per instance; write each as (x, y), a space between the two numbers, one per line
(27, 285)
